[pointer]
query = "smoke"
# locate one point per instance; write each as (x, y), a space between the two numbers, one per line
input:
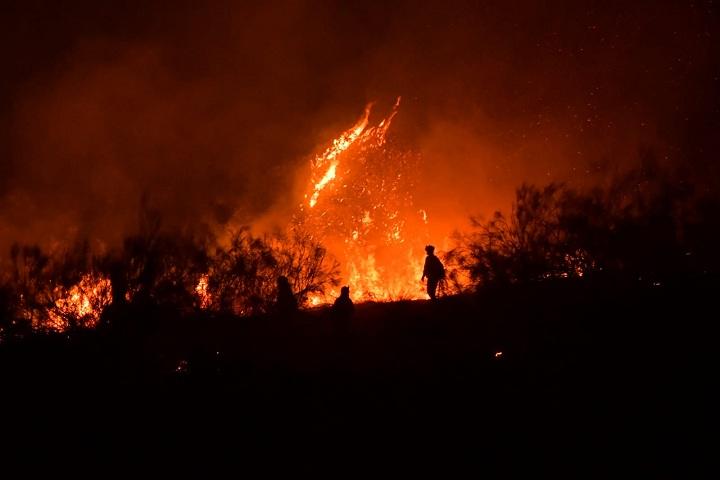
(211, 111)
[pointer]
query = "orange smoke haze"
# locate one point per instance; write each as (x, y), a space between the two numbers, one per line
(212, 111)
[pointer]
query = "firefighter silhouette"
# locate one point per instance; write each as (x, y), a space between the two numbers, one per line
(433, 271)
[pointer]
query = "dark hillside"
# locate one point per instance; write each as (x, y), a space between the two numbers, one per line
(563, 377)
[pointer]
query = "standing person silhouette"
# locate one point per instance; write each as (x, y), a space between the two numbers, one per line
(342, 312)
(433, 270)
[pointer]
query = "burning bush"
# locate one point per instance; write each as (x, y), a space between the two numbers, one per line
(57, 292)
(160, 266)
(70, 289)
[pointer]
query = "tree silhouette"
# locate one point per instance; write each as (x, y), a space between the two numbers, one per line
(642, 225)
(243, 276)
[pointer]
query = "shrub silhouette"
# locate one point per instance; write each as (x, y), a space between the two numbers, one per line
(526, 245)
(643, 226)
(243, 276)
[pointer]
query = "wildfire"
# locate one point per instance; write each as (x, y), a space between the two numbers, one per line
(82, 303)
(329, 175)
(367, 215)
(201, 291)
(330, 156)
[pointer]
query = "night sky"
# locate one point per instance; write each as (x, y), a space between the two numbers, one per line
(212, 109)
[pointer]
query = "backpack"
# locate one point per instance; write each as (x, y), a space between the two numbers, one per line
(437, 268)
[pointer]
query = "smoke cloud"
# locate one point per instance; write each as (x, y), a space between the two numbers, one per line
(211, 111)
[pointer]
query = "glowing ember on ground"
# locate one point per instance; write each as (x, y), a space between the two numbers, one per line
(498, 354)
(182, 366)
(360, 204)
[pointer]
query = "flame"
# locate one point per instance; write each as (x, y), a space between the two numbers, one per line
(201, 291)
(423, 213)
(366, 215)
(83, 302)
(329, 175)
(330, 156)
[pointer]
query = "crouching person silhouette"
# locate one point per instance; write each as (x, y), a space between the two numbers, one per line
(433, 271)
(343, 307)
(286, 303)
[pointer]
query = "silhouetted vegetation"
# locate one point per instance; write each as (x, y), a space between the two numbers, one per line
(180, 270)
(645, 225)
(593, 346)
(243, 277)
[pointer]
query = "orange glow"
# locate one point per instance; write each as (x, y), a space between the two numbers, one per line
(83, 302)
(366, 215)
(329, 175)
(201, 291)
(330, 156)
(316, 300)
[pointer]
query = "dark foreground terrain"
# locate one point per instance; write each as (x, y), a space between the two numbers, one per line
(593, 381)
